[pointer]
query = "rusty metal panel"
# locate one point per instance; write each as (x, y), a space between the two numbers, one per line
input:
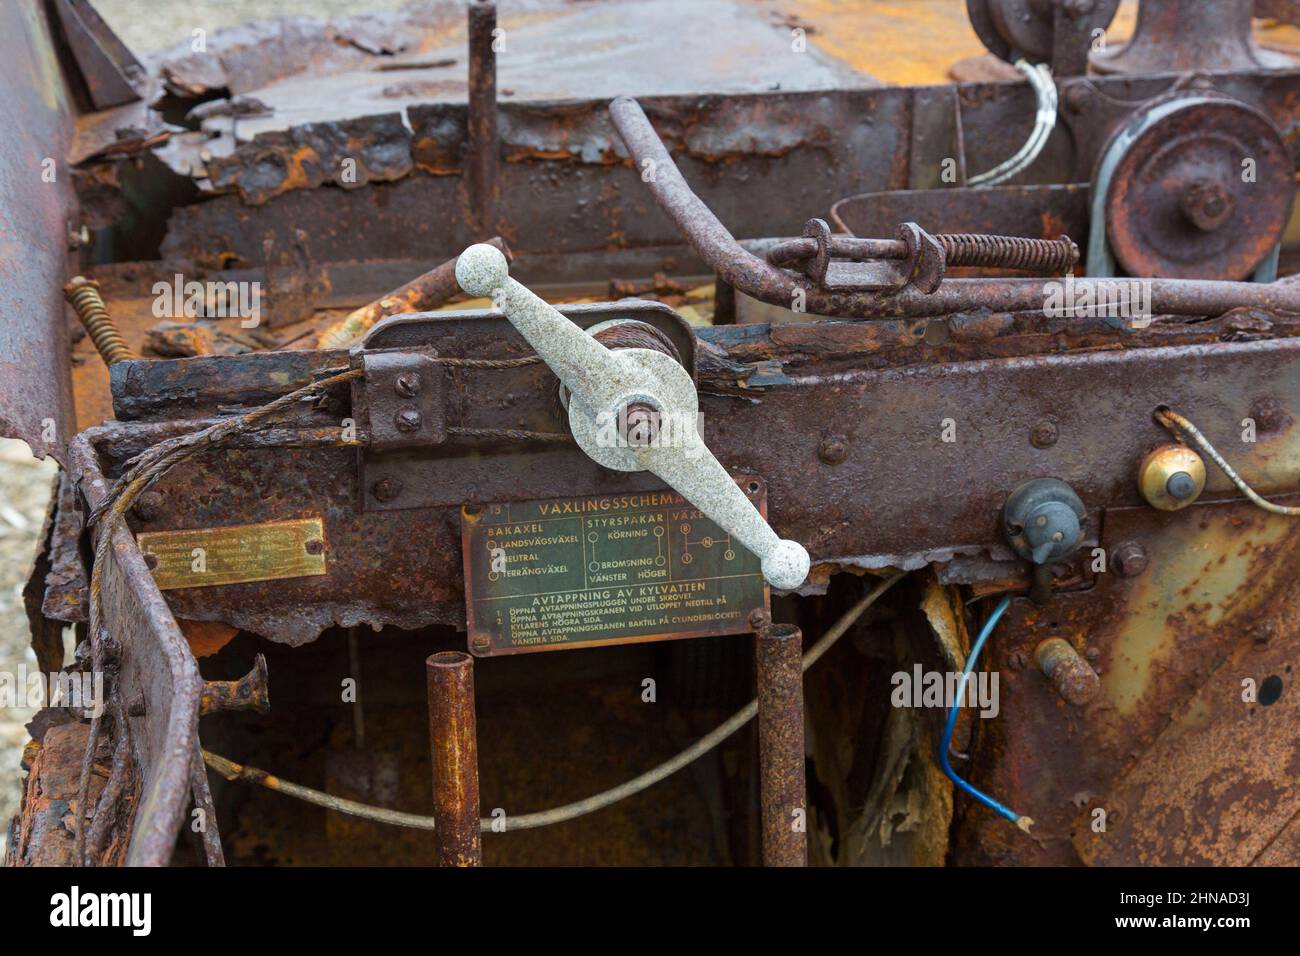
(894, 494)
(158, 669)
(36, 217)
(1184, 770)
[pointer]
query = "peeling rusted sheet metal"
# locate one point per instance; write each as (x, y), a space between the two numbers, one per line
(158, 667)
(35, 219)
(1185, 771)
(66, 584)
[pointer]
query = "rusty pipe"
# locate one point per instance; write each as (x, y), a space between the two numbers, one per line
(778, 652)
(453, 740)
(250, 692)
(750, 274)
(481, 133)
(427, 291)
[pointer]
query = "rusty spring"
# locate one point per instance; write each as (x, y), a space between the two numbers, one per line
(1051, 256)
(83, 295)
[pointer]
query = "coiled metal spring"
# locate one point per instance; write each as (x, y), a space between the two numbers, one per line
(1049, 256)
(83, 295)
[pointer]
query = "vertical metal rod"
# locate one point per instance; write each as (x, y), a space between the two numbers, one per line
(724, 302)
(778, 650)
(358, 713)
(481, 139)
(454, 745)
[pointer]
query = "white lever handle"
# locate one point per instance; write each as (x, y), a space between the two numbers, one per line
(603, 384)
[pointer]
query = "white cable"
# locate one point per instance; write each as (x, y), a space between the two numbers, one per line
(1040, 78)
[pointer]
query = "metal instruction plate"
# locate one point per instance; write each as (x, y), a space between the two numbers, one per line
(604, 569)
(252, 552)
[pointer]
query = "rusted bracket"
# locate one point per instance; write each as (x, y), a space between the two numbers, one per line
(399, 402)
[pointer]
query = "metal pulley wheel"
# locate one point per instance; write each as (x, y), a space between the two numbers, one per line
(1195, 186)
(1015, 29)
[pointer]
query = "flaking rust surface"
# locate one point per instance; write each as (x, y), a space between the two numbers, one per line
(1184, 770)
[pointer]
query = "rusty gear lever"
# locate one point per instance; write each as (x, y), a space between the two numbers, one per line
(605, 385)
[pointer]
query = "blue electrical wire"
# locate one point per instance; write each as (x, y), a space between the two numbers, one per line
(1021, 821)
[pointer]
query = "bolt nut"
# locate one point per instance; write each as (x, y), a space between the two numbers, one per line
(833, 450)
(314, 546)
(1044, 434)
(1129, 559)
(407, 384)
(148, 506)
(386, 489)
(639, 424)
(407, 420)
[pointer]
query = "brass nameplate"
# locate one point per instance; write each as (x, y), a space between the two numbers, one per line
(252, 552)
(604, 569)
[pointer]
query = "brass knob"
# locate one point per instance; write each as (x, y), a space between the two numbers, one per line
(1171, 477)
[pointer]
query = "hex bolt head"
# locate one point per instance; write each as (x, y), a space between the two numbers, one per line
(833, 450)
(1044, 434)
(1129, 559)
(407, 420)
(386, 489)
(407, 384)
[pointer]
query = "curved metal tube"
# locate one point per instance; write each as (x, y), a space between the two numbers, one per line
(763, 281)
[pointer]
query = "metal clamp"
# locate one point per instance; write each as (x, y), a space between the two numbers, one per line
(402, 394)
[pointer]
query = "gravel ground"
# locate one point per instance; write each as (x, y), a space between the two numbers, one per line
(151, 24)
(25, 481)
(24, 493)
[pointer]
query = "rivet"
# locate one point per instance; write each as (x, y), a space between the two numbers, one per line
(386, 489)
(833, 450)
(407, 420)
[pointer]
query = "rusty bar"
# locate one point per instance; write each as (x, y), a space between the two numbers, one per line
(454, 746)
(777, 652)
(767, 283)
(201, 793)
(481, 135)
(1072, 676)
(423, 293)
(250, 692)
(156, 659)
